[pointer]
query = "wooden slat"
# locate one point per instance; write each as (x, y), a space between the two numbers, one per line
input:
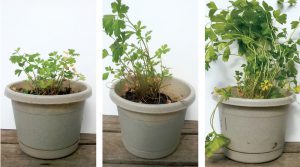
(12, 156)
(286, 160)
(133, 165)
(10, 137)
(111, 124)
(292, 147)
(115, 153)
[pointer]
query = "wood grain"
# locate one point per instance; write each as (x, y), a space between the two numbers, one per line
(286, 160)
(115, 154)
(12, 156)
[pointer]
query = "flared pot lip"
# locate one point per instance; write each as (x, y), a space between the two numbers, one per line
(154, 108)
(48, 99)
(244, 102)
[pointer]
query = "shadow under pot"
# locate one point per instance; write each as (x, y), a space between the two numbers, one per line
(48, 127)
(153, 131)
(255, 127)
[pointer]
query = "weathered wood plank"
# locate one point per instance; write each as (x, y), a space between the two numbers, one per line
(292, 147)
(12, 156)
(286, 160)
(111, 124)
(115, 153)
(9, 136)
(133, 165)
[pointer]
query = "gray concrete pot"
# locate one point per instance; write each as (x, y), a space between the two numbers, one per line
(48, 127)
(256, 127)
(153, 131)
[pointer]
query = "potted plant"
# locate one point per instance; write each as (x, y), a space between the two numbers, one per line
(253, 112)
(48, 106)
(151, 103)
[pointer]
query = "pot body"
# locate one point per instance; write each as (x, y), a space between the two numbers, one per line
(256, 128)
(48, 129)
(153, 131)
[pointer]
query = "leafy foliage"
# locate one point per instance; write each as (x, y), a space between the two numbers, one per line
(215, 141)
(256, 30)
(142, 71)
(270, 53)
(290, 2)
(46, 76)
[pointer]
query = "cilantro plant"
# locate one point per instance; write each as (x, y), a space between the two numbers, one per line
(142, 71)
(257, 33)
(270, 53)
(47, 76)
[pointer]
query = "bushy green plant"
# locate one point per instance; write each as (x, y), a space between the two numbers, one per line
(259, 32)
(46, 76)
(142, 71)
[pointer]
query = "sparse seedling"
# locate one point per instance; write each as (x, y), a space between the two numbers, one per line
(47, 76)
(142, 71)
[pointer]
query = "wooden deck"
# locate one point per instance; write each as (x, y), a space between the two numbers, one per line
(115, 155)
(12, 156)
(290, 158)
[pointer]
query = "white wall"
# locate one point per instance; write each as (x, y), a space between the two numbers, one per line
(44, 26)
(221, 75)
(175, 24)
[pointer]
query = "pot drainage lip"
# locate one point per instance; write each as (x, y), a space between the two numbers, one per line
(254, 153)
(77, 142)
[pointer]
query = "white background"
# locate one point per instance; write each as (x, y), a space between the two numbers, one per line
(174, 23)
(221, 75)
(45, 26)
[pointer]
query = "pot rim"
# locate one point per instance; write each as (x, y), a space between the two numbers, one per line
(48, 99)
(153, 108)
(244, 102)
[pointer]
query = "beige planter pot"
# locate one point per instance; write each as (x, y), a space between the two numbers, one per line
(48, 127)
(153, 131)
(256, 127)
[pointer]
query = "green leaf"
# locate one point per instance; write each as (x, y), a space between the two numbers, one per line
(280, 1)
(214, 142)
(118, 7)
(209, 34)
(292, 2)
(105, 76)
(280, 18)
(16, 59)
(117, 26)
(267, 7)
(240, 3)
(294, 24)
(108, 21)
(212, 5)
(104, 53)
(226, 54)
(18, 72)
(210, 54)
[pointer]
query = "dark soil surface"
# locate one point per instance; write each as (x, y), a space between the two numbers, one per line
(64, 91)
(159, 98)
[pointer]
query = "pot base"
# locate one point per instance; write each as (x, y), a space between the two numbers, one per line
(147, 154)
(49, 154)
(252, 157)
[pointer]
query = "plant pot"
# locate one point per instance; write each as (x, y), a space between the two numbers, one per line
(256, 127)
(152, 131)
(48, 127)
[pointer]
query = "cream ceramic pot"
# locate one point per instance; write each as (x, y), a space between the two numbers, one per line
(48, 127)
(256, 127)
(153, 131)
